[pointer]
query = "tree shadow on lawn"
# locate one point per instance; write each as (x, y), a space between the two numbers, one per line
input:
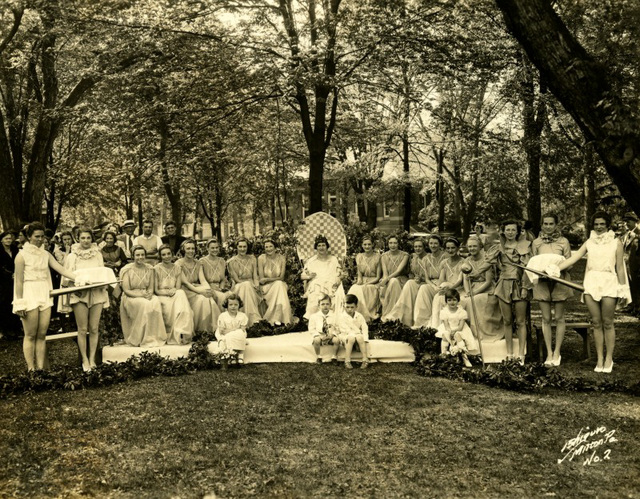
(306, 430)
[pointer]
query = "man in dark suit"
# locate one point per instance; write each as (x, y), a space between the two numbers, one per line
(630, 245)
(127, 237)
(171, 237)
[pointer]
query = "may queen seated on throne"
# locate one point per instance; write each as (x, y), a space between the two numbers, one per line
(323, 276)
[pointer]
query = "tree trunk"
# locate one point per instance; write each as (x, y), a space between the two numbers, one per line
(372, 214)
(583, 87)
(172, 191)
(589, 172)
(440, 190)
(316, 178)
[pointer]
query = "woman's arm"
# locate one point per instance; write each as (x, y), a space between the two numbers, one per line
(232, 273)
(256, 281)
(156, 285)
(359, 278)
(126, 287)
(19, 279)
(401, 267)
(620, 270)
(378, 274)
(571, 261)
(487, 283)
(53, 263)
(204, 288)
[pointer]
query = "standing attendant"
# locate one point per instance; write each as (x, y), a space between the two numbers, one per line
(272, 267)
(550, 294)
(201, 297)
(366, 288)
(140, 309)
(64, 248)
(31, 299)
(176, 311)
(128, 237)
(243, 270)
(10, 325)
(215, 270)
(403, 309)
(605, 285)
(149, 241)
(171, 237)
(322, 275)
(431, 264)
(394, 274)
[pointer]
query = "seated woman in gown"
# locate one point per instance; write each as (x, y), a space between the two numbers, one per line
(322, 274)
(215, 272)
(394, 274)
(272, 267)
(176, 311)
(140, 309)
(403, 309)
(450, 278)
(243, 270)
(366, 287)
(429, 289)
(204, 306)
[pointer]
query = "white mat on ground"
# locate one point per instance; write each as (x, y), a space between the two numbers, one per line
(291, 347)
(496, 351)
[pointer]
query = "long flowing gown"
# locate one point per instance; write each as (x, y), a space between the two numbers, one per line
(176, 311)
(142, 323)
(391, 292)
(327, 274)
(245, 268)
(275, 292)
(205, 310)
(368, 294)
(486, 316)
(424, 300)
(215, 273)
(452, 274)
(403, 309)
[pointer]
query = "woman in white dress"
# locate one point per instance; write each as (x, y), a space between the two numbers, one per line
(243, 270)
(431, 264)
(201, 297)
(605, 285)
(176, 311)
(140, 309)
(87, 305)
(366, 287)
(215, 272)
(403, 309)
(231, 332)
(272, 267)
(31, 299)
(450, 278)
(394, 274)
(322, 274)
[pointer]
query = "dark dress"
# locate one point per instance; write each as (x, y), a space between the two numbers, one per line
(114, 257)
(10, 323)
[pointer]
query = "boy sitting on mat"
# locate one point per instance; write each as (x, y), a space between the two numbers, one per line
(323, 330)
(353, 329)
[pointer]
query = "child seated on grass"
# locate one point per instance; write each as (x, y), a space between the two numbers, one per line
(232, 328)
(353, 329)
(322, 329)
(457, 338)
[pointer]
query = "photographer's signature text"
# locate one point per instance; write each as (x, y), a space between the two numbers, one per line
(590, 445)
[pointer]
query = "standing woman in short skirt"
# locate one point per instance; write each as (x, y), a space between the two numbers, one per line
(548, 293)
(513, 287)
(605, 285)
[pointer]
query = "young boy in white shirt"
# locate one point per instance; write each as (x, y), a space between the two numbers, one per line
(353, 329)
(323, 330)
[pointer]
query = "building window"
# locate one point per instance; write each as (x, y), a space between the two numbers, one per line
(387, 209)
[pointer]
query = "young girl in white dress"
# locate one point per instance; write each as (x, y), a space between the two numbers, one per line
(457, 338)
(232, 327)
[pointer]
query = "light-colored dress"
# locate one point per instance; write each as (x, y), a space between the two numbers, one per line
(424, 300)
(245, 268)
(452, 274)
(600, 277)
(142, 323)
(327, 274)
(231, 331)
(391, 292)
(368, 294)
(80, 259)
(37, 280)
(545, 289)
(176, 311)
(205, 310)
(214, 272)
(275, 293)
(403, 309)
(452, 320)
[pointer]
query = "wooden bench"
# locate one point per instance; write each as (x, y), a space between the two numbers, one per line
(582, 328)
(61, 336)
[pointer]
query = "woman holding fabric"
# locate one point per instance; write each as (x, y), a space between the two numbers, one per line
(366, 287)
(431, 264)
(243, 269)
(394, 274)
(31, 299)
(322, 274)
(271, 271)
(547, 293)
(605, 285)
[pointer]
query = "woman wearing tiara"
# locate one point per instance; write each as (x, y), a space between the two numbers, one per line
(322, 275)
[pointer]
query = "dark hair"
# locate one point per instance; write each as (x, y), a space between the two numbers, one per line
(136, 248)
(436, 237)
(109, 233)
(450, 294)
(163, 247)
(5, 234)
(367, 238)
(169, 222)
(84, 229)
(147, 221)
(232, 296)
(324, 297)
(452, 240)
(419, 240)
(211, 241)
(34, 226)
(351, 299)
(269, 240)
(601, 214)
(320, 239)
(48, 233)
(512, 222)
(528, 224)
(393, 236)
(550, 215)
